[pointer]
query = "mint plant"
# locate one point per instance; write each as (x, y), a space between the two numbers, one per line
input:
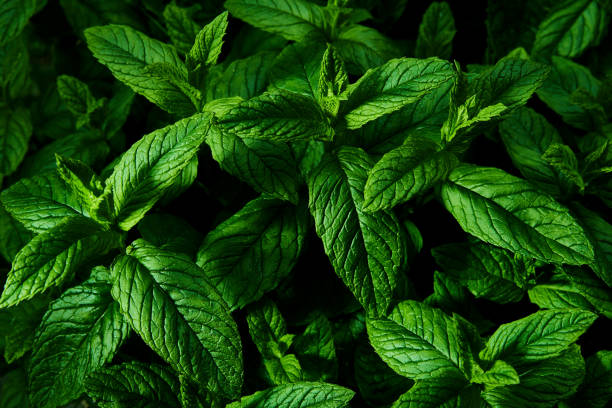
(294, 204)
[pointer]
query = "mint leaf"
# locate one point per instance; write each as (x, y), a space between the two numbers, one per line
(60, 364)
(316, 351)
(297, 68)
(268, 166)
(487, 271)
(364, 48)
(171, 233)
(13, 390)
(570, 28)
(78, 98)
(14, 15)
(15, 130)
(207, 46)
(152, 165)
(20, 323)
(174, 302)
(562, 158)
(406, 172)
(599, 233)
(128, 53)
(436, 32)
(53, 257)
(539, 336)
(298, 395)
(440, 392)
(250, 253)
(419, 342)
(365, 249)
(182, 29)
(596, 389)
(500, 374)
(505, 208)
(392, 86)
(134, 384)
(292, 19)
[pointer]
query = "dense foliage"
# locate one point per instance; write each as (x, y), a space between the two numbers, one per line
(305, 204)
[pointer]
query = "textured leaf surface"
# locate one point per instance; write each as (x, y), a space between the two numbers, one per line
(151, 166)
(282, 115)
(15, 133)
(405, 172)
(252, 251)
(207, 46)
(599, 233)
(297, 68)
(292, 19)
(54, 256)
(364, 249)
(511, 213)
(128, 53)
(418, 341)
(438, 393)
(487, 271)
(268, 166)
(538, 336)
(168, 300)
(79, 334)
(436, 32)
(134, 385)
(364, 48)
(391, 86)
(298, 395)
(596, 389)
(14, 15)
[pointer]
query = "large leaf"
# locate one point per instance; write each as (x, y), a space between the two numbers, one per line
(487, 271)
(298, 395)
(129, 54)
(392, 86)
(268, 166)
(297, 68)
(509, 212)
(15, 132)
(420, 342)
(436, 393)
(60, 364)
(539, 336)
(134, 385)
(292, 19)
(252, 251)
(571, 27)
(42, 202)
(365, 249)
(168, 300)
(151, 166)
(280, 115)
(52, 257)
(406, 172)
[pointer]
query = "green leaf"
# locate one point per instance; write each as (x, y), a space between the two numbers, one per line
(13, 390)
(60, 364)
(565, 78)
(599, 233)
(268, 166)
(559, 294)
(500, 374)
(128, 53)
(562, 158)
(592, 288)
(333, 80)
(364, 249)
(182, 30)
(543, 383)
(269, 333)
(507, 211)
(298, 395)
(117, 110)
(436, 32)
(15, 133)
(42, 202)
(134, 385)
(363, 48)
(526, 135)
(539, 336)
(13, 235)
(487, 271)
(207, 46)
(250, 253)
(436, 393)
(53, 257)
(392, 86)
(406, 172)
(168, 300)
(419, 342)
(21, 323)
(170, 233)
(292, 19)
(78, 98)
(571, 27)
(281, 115)
(596, 389)
(14, 15)
(316, 351)
(298, 68)
(152, 165)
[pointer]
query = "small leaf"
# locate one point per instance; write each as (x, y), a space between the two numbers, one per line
(15, 133)
(436, 32)
(500, 374)
(207, 47)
